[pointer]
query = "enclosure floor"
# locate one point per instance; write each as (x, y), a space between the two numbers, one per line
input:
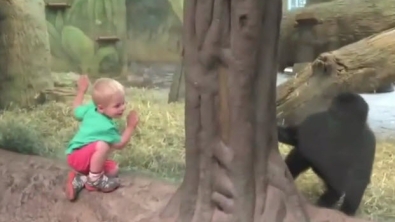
(31, 190)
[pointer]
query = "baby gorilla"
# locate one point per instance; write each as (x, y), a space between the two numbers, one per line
(339, 146)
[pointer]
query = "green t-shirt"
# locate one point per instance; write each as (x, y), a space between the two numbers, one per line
(94, 126)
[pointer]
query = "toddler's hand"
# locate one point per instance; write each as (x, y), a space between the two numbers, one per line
(83, 83)
(132, 119)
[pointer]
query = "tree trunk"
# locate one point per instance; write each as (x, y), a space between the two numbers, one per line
(24, 52)
(329, 26)
(359, 67)
(234, 171)
(177, 89)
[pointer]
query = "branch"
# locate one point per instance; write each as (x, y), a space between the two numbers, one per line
(189, 33)
(222, 183)
(223, 154)
(203, 19)
(224, 203)
(209, 56)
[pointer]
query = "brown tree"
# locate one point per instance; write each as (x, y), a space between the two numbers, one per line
(234, 171)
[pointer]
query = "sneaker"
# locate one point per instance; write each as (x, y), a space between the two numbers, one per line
(74, 185)
(103, 184)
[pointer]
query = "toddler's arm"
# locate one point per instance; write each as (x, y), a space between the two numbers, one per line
(126, 135)
(82, 87)
(78, 99)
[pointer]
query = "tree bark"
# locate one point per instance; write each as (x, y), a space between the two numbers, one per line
(24, 52)
(359, 67)
(337, 23)
(234, 171)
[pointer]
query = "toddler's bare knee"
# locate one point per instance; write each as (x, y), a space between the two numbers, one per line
(102, 146)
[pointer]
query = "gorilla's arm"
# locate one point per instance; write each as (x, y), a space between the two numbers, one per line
(287, 135)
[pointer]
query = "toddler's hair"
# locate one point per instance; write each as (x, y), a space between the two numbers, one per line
(104, 89)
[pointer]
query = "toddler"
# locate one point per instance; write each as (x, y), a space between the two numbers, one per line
(88, 151)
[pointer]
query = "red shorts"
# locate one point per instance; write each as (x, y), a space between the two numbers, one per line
(80, 160)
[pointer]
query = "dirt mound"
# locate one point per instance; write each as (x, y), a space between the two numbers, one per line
(31, 189)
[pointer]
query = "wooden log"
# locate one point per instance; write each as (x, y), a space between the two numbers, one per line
(297, 67)
(338, 23)
(358, 67)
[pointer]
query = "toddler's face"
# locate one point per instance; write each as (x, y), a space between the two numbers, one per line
(115, 107)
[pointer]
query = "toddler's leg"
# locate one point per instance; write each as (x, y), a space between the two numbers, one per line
(79, 161)
(111, 168)
(75, 183)
(97, 180)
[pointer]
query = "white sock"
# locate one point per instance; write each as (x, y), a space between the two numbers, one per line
(94, 176)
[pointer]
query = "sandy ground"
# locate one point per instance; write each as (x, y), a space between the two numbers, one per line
(31, 190)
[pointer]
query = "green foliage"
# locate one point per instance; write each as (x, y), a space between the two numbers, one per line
(178, 6)
(79, 46)
(72, 33)
(54, 41)
(59, 21)
(107, 57)
(17, 137)
(157, 145)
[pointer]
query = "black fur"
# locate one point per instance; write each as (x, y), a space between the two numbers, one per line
(339, 146)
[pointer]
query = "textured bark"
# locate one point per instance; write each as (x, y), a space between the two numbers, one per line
(358, 67)
(341, 22)
(24, 52)
(234, 171)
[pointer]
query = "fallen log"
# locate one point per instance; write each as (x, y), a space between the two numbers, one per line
(309, 31)
(359, 67)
